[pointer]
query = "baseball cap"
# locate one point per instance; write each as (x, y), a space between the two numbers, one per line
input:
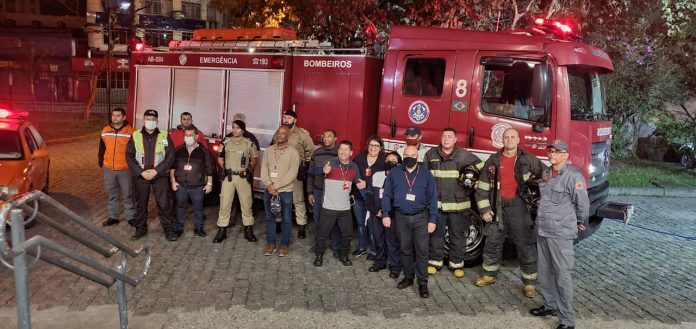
(412, 131)
(150, 113)
(290, 113)
(559, 145)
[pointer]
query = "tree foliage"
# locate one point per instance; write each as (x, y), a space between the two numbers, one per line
(652, 43)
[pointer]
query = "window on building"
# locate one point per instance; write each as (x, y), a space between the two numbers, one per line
(158, 38)
(424, 76)
(119, 36)
(506, 91)
(191, 8)
(157, 7)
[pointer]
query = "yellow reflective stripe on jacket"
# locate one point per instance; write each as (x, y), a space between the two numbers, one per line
(484, 186)
(483, 203)
(480, 165)
(526, 176)
(445, 173)
(453, 206)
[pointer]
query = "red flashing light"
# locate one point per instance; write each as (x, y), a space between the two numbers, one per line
(137, 44)
(4, 114)
(555, 26)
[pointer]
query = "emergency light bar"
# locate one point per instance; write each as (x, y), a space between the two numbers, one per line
(556, 27)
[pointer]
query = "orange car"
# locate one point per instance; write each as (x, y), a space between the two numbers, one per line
(24, 157)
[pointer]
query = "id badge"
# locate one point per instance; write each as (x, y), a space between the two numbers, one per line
(345, 186)
(368, 172)
(410, 197)
(187, 167)
(274, 175)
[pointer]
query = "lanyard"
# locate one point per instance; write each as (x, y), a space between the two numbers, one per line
(343, 173)
(408, 181)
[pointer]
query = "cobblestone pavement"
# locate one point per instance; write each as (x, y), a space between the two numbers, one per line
(640, 272)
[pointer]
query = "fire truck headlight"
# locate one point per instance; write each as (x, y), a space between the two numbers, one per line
(251, 49)
(592, 169)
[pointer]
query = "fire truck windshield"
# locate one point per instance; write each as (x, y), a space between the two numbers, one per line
(587, 98)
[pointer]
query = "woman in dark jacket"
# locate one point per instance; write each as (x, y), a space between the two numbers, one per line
(369, 161)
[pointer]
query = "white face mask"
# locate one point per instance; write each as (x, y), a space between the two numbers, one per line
(189, 140)
(150, 125)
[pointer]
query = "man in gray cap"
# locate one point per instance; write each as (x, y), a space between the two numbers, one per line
(563, 211)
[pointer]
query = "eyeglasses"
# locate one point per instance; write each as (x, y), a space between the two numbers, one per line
(374, 145)
(554, 152)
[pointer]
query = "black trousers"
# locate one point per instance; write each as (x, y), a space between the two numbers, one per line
(387, 245)
(412, 232)
(163, 198)
(458, 227)
(329, 218)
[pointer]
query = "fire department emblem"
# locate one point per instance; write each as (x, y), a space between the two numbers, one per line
(182, 59)
(418, 112)
(497, 134)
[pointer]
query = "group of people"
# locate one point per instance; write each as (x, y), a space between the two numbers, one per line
(402, 201)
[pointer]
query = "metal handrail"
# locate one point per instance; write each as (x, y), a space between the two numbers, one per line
(15, 205)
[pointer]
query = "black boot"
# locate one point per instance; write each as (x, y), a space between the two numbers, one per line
(319, 259)
(221, 235)
(249, 233)
(301, 233)
(345, 260)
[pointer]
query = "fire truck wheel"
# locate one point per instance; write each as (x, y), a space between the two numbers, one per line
(474, 245)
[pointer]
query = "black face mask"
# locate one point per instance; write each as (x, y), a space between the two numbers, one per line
(388, 165)
(410, 162)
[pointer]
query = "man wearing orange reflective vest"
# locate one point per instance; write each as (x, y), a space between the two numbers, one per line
(118, 182)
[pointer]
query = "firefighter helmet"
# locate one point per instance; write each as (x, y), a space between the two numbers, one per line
(468, 176)
(531, 194)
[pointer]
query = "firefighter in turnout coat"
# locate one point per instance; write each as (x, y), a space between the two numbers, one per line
(499, 203)
(453, 201)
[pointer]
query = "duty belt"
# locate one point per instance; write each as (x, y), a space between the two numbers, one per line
(508, 202)
(410, 214)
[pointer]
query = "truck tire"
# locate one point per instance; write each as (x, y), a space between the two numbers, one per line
(474, 245)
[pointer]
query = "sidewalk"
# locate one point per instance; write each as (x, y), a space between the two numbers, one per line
(654, 191)
(106, 316)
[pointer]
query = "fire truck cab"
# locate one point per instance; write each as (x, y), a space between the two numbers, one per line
(481, 83)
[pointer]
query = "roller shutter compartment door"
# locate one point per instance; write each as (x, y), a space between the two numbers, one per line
(153, 88)
(200, 92)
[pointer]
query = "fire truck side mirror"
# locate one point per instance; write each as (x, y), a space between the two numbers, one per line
(541, 86)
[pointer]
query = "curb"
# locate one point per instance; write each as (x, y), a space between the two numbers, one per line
(72, 139)
(655, 191)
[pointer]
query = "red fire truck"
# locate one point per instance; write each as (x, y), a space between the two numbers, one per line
(540, 81)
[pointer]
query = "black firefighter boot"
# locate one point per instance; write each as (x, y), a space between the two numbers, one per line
(221, 235)
(249, 233)
(319, 259)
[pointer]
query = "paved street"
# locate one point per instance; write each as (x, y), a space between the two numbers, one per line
(642, 272)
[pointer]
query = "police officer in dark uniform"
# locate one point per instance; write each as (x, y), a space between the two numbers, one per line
(410, 188)
(498, 198)
(563, 211)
